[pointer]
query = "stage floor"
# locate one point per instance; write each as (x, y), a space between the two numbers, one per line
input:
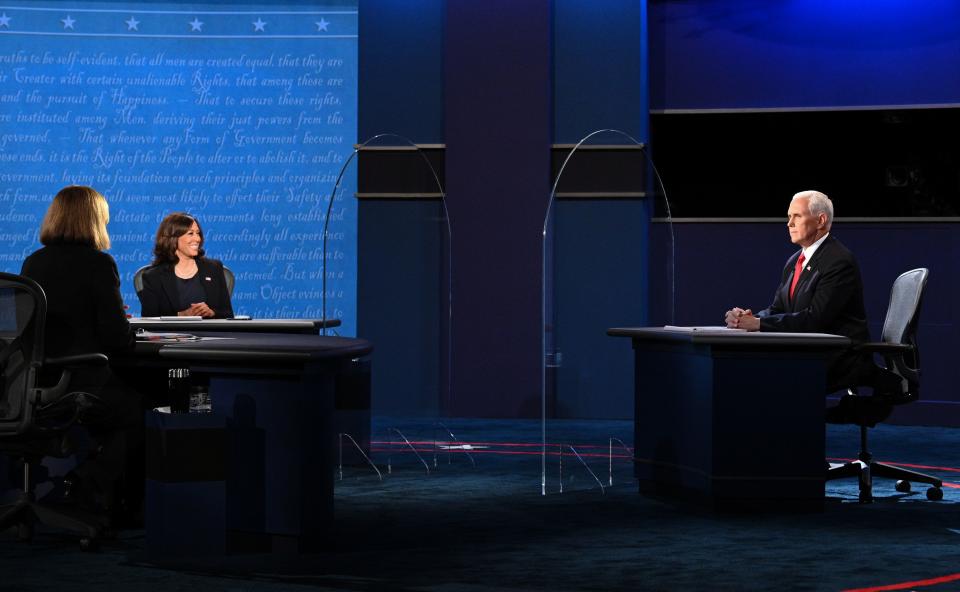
(479, 523)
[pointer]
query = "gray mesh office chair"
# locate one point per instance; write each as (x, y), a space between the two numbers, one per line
(899, 351)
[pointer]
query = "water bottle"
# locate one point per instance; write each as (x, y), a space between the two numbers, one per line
(178, 389)
(199, 400)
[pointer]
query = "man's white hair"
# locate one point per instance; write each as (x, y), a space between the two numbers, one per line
(818, 203)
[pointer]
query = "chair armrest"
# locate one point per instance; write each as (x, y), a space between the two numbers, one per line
(78, 360)
(52, 394)
(880, 347)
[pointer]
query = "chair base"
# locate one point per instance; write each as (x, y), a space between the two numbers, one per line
(26, 512)
(865, 471)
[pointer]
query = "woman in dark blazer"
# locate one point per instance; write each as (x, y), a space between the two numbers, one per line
(181, 281)
(85, 314)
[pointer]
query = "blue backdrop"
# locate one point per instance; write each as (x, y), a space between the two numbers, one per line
(241, 115)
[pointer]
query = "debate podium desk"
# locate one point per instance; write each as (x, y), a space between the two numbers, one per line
(730, 419)
(279, 388)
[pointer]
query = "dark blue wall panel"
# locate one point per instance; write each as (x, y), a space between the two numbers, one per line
(723, 54)
(399, 302)
(600, 282)
(401, 69)
(599, 68)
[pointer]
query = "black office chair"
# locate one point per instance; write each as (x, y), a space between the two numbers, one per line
(35, 420)
(228, 279)
(901, 356)
(138, 279)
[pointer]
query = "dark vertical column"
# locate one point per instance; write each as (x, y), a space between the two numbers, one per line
(498, 133)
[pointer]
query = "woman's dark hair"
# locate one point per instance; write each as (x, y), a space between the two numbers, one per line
(170, 230)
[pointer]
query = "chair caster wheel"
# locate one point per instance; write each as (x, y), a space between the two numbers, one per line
(903, 486)
(89, 544)
(935, 494)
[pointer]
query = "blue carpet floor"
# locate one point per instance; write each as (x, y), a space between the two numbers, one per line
(472, 519)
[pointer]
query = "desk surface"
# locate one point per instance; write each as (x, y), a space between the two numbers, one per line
(728, 337)
(247, 325)
(257, 348)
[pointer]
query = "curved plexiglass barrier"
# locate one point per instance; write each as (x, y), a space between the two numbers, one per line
(403, 301)
(608, 261)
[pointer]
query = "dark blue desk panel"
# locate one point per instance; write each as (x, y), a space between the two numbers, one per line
(730, 419)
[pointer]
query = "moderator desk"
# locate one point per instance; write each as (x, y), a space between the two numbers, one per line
(305, 326)
(280, 389)
(353, 383)
(731, 419)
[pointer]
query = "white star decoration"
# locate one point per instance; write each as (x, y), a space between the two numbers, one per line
(196, 25)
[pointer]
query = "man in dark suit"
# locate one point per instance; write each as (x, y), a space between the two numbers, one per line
(820, 291)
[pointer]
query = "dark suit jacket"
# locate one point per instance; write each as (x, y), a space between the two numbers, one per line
(84, 309)
(828, 299)
(160, 297)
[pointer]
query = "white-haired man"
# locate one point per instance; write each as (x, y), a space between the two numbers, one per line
(820, 291)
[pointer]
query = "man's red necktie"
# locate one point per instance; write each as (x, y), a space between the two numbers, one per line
(796, 274)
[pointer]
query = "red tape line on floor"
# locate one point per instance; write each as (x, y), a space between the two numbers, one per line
(907, 585)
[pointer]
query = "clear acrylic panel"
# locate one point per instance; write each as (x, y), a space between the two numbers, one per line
(608, 261)
(403, 300)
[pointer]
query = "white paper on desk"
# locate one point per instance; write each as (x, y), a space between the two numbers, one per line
(164, 337)
(171, 318)
(716, 328)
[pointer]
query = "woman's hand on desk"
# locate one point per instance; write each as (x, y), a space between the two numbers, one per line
(198, 309)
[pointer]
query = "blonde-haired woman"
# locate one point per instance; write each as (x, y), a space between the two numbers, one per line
(85, 314)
